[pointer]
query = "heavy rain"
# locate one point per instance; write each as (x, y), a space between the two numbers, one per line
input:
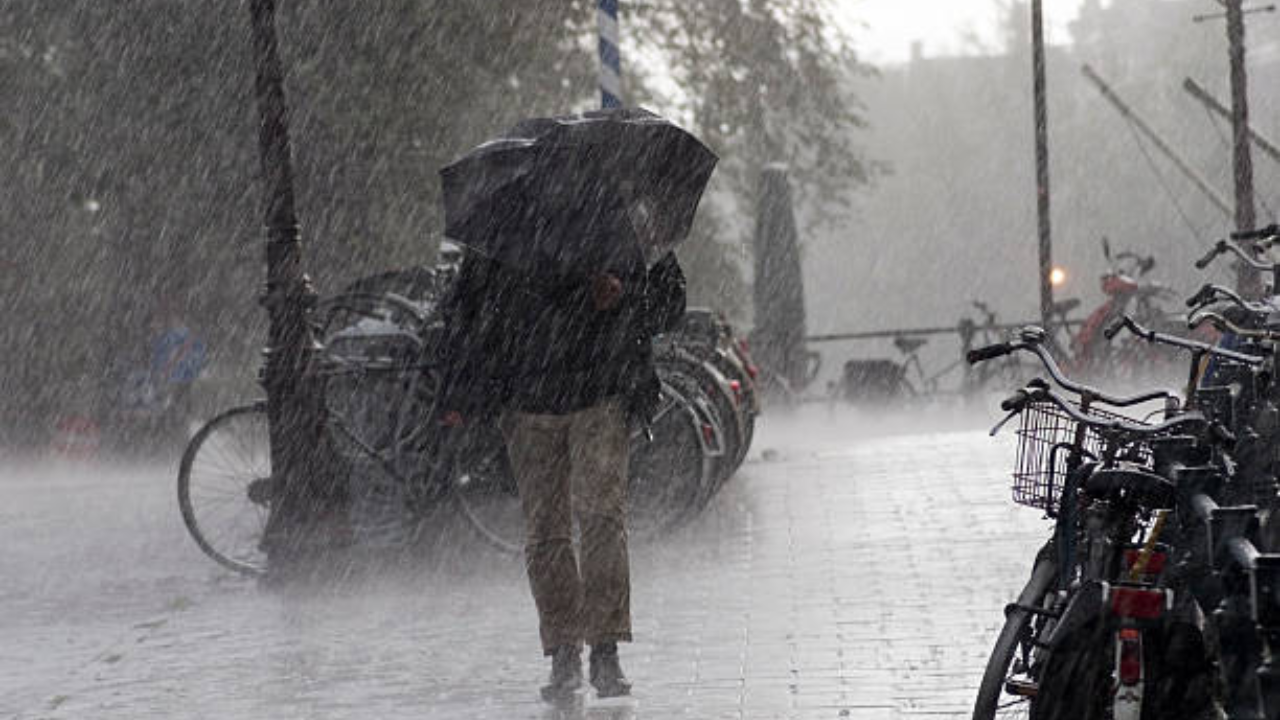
(639, 359)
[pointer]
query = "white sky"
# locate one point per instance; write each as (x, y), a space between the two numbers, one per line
(942, 25)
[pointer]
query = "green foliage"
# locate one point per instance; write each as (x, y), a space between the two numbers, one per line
(764, 82)
(761, 81)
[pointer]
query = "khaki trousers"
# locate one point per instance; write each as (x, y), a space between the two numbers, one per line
(569, 466)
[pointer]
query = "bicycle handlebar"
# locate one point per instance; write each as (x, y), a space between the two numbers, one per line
(1152, 336)
(1223, 246)
(1217, 249)
(1143, 263)
(1210, 293)
(1119, 324)
(1262, 233)
(1225, 325)
(989, 315)
(1015, 402)
(1032, 341)
(1033, 394)
(989, 352)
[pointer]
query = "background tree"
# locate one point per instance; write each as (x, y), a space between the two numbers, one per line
(760, 81)
(128, 202)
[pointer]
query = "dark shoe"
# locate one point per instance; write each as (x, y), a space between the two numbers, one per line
(566, 674)
(606, 671)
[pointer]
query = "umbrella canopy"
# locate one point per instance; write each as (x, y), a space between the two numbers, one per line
(574, 194)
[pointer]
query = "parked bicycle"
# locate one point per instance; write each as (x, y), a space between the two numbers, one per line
(881, 380)
(1128, 291)
(708, 350)
(1164, 528)
(1083, 639)
(377, 377)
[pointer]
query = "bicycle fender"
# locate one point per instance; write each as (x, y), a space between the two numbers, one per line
(1085, 605)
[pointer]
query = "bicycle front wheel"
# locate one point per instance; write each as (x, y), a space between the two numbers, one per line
(484, 492)
(225, 488)
(668, 475)
(998, 695)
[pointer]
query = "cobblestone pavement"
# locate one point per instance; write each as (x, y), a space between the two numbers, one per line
(842, 574)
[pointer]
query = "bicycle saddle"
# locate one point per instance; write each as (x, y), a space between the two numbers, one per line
(908, 345)
(1066, 306)
(1147, 489)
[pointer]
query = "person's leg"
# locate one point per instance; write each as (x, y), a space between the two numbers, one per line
(599, 443)
(537, 446)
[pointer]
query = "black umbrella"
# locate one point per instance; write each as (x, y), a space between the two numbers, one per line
(573, 194)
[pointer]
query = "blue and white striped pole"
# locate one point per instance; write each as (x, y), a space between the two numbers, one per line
(610, 56)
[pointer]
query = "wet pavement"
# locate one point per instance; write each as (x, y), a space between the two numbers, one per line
(844, 573)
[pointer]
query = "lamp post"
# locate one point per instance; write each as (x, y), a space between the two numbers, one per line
(293, 417)
(1042, 161)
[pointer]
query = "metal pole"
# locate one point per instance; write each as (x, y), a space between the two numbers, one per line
(1199, 93)
(1249, 280)
(610, 55)
(1156, 140)
(293, 421)
(1042, 161)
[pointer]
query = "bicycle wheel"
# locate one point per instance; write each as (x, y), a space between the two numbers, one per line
(225, 488)
(691, 453)
(1004, 669)
(665, 479)
(715, 389)
(669, 475)
(484, 491)
(1077, 679)
(713, 384)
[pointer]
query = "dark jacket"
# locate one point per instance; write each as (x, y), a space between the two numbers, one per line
(540, 346)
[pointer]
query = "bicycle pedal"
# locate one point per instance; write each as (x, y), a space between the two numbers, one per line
(1021, 688)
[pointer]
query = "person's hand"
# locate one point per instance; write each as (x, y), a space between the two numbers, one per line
(606, 291)
(451, 418)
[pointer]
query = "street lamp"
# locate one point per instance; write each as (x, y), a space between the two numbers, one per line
(301, 476)
(1041, 115)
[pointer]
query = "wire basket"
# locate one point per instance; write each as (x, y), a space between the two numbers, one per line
(1039, 471)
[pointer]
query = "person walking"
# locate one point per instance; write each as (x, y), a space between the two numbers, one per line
(569, 224)
(565, 365)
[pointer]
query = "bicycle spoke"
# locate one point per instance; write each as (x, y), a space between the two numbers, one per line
(225, 459)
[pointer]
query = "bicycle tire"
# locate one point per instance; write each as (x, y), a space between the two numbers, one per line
(694, 403)
(680, 452)
(483, 530)
(672, 472)
(706, 379)
(732, 422)
(1077, 680)
(252, 465)
(745, 401)
(503, 529)
(1017, 624)
(1078, 676)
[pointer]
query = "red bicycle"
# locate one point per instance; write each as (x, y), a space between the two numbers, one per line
(1128, 292)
